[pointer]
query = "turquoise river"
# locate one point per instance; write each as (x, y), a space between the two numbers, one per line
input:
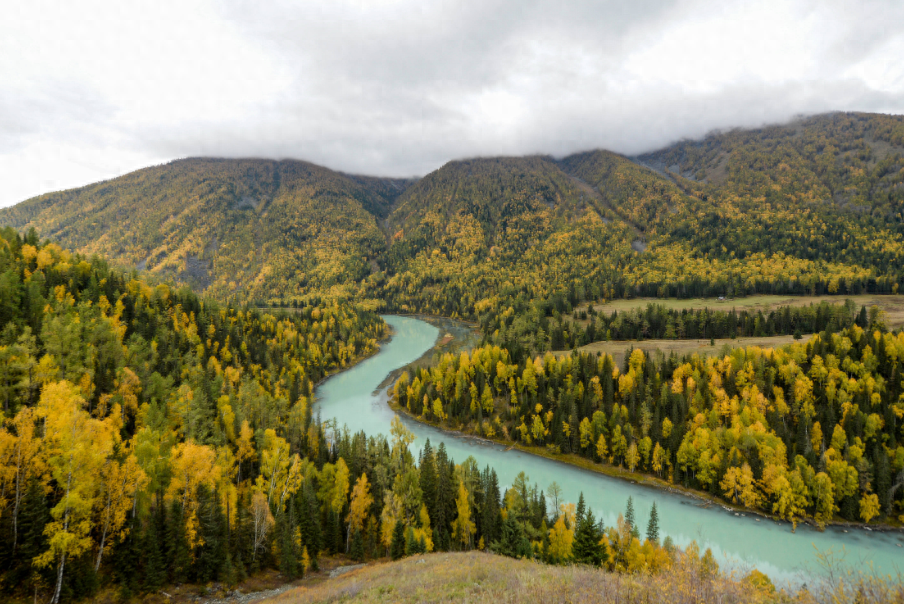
(358, 398)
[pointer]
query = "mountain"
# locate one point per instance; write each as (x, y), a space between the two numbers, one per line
(478, 232)
(257, 228)
(815, 206)
(826, 188)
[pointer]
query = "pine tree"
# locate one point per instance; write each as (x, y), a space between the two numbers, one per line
(629, 518)
(288, 560)
(210, 555)
(397, 549)
(177, 546)
(356, 551)
(586, 548)
(154, 566)
(653, 526)
(427, 469)
(513, 542)
(126, 555)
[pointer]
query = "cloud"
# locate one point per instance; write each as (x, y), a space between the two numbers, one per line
(399, 87)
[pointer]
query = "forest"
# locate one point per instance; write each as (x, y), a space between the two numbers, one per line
(806, 432)
(153, 438)
(658, 322)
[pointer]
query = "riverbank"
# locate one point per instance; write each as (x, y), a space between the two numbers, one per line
(388, 333)
(645, 480)
(355, 399)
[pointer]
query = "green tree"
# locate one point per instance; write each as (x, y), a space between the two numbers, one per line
(653, 525)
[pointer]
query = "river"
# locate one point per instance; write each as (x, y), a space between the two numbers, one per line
(358, 399)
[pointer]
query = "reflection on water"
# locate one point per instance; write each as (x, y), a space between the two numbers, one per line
(355, 398)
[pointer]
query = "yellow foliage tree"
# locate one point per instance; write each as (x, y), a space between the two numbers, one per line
(561, 538)
(463, 527)
(358, 509)
(192, 465)
(77, 447)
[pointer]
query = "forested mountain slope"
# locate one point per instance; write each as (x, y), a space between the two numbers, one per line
(252, 228)
(130, 413)
(826, 188)
(478, 232)
(811, 207)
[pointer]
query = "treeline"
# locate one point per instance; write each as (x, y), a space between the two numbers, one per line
(808, 209)
(658, 322)
(813, 430)
(119, 399)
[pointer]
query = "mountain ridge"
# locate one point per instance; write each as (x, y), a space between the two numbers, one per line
(810, 205)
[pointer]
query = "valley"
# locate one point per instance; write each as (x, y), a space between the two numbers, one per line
(197, 363)
(355, 400)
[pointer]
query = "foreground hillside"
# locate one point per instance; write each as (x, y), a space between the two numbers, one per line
(479, 577)
(809, 208)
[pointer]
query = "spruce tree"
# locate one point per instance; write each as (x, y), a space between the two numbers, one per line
(81, 581)
(427, 469)
(397, 548)
(309, 523)
(653, 526)
(125, 558)
(629, 518)
(491, 513)
(586, 547)
(445, 496)
(513, 542)
(176, 545)
(210, 554)
(579, 511)
(410, 542)
(33, 517)
(356, 551)
(154, 565)
(288, 560)
(371, 539)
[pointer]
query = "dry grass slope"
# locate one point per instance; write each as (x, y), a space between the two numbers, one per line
(479, 577)
(721, 346)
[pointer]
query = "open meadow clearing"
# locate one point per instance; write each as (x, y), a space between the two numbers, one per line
(682, 347)
(892, 305)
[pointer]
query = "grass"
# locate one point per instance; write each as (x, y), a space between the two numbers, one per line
(891, 304)
(484, 578)
(479, 577)
(262, 584)
(681, 347)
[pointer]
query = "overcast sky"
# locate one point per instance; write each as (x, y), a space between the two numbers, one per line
(90, 89)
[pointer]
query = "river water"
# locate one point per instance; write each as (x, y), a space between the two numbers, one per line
(358, 399)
